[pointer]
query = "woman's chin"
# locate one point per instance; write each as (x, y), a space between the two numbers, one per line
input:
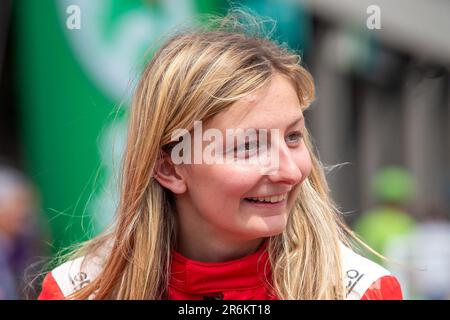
(272, 225)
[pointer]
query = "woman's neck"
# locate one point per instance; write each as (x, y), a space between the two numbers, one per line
(215, 250)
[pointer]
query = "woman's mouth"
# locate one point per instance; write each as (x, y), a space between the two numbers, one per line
(267, 201)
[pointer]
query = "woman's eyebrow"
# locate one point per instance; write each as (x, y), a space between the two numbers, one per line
(297, 120)
(293, 123)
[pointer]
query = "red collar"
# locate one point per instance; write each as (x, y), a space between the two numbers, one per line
(197, 277)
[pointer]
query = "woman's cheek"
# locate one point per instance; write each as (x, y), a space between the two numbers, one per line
(304, 163)
(241, 177)
(307, 167)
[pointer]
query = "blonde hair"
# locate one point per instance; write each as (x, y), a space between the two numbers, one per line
(195, 75)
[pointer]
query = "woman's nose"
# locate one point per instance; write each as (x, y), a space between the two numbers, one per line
(287, 171)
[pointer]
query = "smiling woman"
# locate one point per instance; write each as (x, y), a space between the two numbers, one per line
(193, 230)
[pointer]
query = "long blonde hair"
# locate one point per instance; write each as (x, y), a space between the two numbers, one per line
(195, 75)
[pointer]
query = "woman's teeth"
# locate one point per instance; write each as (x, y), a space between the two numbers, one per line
(272, 199)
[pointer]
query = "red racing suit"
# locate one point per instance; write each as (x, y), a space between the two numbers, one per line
(241, 279)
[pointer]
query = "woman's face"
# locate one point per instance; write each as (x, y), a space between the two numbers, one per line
(217, 201)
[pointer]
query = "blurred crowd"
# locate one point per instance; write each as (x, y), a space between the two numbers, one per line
(22, 243)
(415, 249)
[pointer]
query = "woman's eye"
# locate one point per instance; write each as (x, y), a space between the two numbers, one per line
(247, 148)
(294, 137)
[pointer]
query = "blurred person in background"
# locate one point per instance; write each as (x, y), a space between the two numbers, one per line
(393, 188)
(426, 254)
(18, 232)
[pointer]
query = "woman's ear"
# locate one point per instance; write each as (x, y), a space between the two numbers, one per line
(167, 175)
